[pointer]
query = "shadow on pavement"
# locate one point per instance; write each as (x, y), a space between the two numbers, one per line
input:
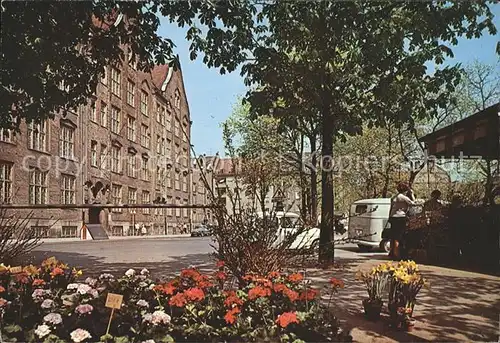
(455, 307)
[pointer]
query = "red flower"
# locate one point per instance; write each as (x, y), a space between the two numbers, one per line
(309, 294)
(203, 282)
(258, 292)
(56, 271)
(287, 318)
(167, 288)
(178, 300)
(194, 294)
(296, 277)
(291, 294)
(248, 277)
(220, 276)
(220, 264)
(279, 287)
(190, 273)
(263, 281)
(2, 289)
(230, 316)
(231, 299)
(336, 283)
(38, 282)
(22, 277)
(273, 275)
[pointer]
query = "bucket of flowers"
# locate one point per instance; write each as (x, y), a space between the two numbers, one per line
(405, 284)
(376, 283)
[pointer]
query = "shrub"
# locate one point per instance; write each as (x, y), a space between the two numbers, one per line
(46, 303)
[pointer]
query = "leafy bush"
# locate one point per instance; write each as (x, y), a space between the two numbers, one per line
(46, 303)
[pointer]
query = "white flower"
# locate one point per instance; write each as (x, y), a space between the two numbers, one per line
(130, 272)
(160, 317)
(106, 276)
(47, 303)
(144, 271)
(148, 317)
(42, 330)
(94, 293)
(149, 341)
(143, 284)
(72, 286)
(39, 293)
(84, 309)
(53, 318)
(79, 335)
(83, 288)
(142, 303)
(91, 281)
(152, 286)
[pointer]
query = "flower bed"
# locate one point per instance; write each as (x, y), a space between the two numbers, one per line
(48, 303)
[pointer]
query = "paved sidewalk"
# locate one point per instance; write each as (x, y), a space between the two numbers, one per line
(64, 240)
(458, 306)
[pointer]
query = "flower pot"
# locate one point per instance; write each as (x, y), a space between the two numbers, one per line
(372, 309)
(409, 324)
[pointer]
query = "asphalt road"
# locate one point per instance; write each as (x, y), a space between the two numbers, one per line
(162, 256)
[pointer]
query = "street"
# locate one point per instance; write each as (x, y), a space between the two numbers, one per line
(161, 255)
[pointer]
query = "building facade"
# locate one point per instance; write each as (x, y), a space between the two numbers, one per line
(133, 136)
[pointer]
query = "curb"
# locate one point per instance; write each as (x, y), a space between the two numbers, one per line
(112, 238)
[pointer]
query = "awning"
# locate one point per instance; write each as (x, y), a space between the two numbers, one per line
(474, 137)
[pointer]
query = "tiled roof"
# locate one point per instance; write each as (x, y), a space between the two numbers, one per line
(159, 74)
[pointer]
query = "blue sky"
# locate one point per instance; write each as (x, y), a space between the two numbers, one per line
(211, 96)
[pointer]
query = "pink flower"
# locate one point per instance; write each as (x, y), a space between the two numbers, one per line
(84, 309)
(79, 335)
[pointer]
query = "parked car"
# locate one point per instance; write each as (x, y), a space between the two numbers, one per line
(201, 231)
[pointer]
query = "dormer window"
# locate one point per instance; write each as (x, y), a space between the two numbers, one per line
(177, 99)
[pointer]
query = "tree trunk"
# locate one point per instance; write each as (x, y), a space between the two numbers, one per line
(326, 251)
(314, 178)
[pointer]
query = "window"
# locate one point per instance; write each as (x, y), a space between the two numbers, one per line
(5, 135)
(41, 231)
(144, 169)
(360, 209)
(5, 183)
(115, 120)
(177, 209)
(160, 177)
(116, 197)
(131, 128)
(168, 146)
(104, 78)
(38, 187)
(93, 112)
(144, 103)
(67, 142)
(168, 119)
(116, 160)
(169, 179)
(177, 181)
(176, 128)
(185, 210)
(69, 231)
(131, 93)
(68, 189)
(104, 114)
(177, 99)
(158, 145)
(145, 136)
(104, 157)
(116, 79)
(117, 230)
(132, 166)
(37, 136)
(193, 189)
(169, 210)
(184, 184)
(146, 199)
(160, 114)
(132, 198)
(93, 154)
(185, 158)
(132, 62)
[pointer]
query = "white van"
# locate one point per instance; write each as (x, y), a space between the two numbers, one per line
(288, 223)
(367, 220)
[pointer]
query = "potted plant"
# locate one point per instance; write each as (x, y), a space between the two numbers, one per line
(405, 284)
(375, 282)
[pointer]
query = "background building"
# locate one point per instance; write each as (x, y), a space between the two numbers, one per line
(133, 136)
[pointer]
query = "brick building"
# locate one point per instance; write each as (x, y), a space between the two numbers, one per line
(133, 136)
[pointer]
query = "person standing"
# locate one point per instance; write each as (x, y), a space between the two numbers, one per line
(398, 216)
(434, 203)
